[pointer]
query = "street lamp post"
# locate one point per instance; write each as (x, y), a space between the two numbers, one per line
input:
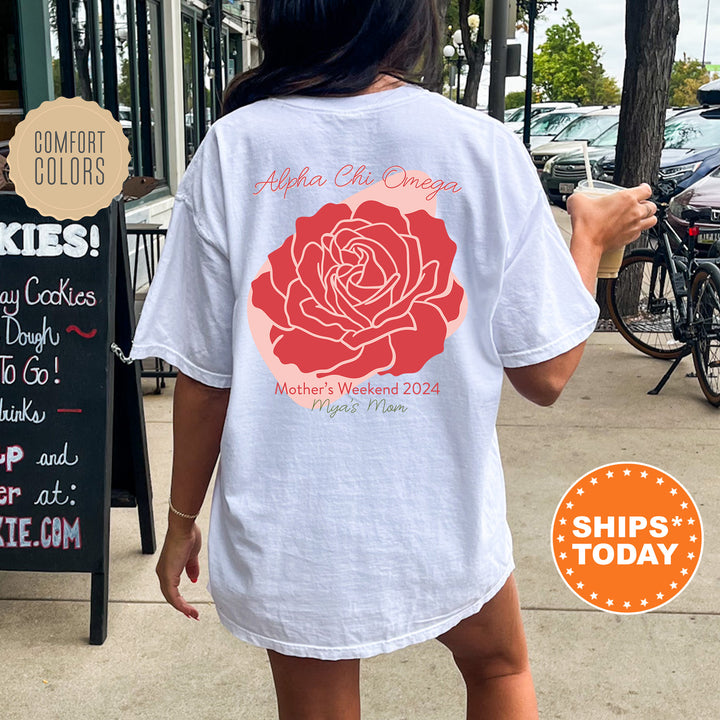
(533, 8)
(449, 51)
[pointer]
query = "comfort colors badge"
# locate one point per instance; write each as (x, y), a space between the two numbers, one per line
(68, 158)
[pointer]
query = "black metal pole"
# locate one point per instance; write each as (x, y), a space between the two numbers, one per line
(532, 14)
(110, 95)
(498, 60)
(217, 52)
(66, 48)
(459, 69)
(143, 65)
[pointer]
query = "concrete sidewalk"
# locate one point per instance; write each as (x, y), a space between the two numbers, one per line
(588, 665)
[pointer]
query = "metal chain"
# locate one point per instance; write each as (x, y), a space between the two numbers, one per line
(117, 351)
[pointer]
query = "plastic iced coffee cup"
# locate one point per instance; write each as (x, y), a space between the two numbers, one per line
(610, 261)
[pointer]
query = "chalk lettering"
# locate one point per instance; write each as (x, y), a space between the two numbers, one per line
(10, 301)
(21, 415)
(57, 459)
(8, 495)
(52, 497)
(64, 295)
(13, 454)
(15, 335)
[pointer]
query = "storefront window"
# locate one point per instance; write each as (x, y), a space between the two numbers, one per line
(11, 111)
(189, 87)
(155, 77)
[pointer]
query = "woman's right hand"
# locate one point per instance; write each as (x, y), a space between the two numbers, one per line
(612, 221)
(179, 553)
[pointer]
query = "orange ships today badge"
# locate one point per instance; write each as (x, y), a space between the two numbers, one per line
(68, 158)
(627, 538)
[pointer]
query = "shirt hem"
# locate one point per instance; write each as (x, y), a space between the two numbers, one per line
(365, 650)
(179, 361)
(551, 349)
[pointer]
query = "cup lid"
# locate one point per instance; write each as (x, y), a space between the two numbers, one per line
(598, 185)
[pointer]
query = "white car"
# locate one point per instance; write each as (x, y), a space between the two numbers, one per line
(585, 128)
(546, 126)
(516, 117)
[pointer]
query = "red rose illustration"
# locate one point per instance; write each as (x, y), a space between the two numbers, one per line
(355, 293)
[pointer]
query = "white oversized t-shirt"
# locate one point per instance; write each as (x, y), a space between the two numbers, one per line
(358, 270)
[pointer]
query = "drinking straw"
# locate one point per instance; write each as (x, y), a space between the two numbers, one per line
(586, 158)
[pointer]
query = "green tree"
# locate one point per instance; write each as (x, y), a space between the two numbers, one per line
(456, 14)
(687, 76)
(569, 70)
(514, 99)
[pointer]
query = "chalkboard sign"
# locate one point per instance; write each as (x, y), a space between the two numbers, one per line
(58, 310)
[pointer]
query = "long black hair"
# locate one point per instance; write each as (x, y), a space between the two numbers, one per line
(337, 47)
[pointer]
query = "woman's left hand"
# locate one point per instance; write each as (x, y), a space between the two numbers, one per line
(180, 553)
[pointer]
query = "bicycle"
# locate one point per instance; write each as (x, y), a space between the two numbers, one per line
(665, 300)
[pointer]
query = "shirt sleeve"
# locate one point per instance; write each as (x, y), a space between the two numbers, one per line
(543, 309)
(187, 316)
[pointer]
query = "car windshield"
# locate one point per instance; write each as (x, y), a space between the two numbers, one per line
(587, 127)
(608, 138)
(552, 123)
(516, 116)
(692, 132)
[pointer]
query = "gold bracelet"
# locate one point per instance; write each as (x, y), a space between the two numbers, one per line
(182, 515)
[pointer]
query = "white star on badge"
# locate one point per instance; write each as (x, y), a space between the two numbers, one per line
(569, 505)
(684, 571)
(593, 481)
(563, 556)
(593, 596)
(643, 602)
(673, 491)
(626, 472)
(660, 596)
(561, 538)
(676, 521)
(660, 481)
(569, 571)
(691, 556)
(563, 521)
(693, 538)
(580, 586)
(643, 474)
(609, 602)
(683, 506)
(609, 473)
(691, 521)
(580, 491)
(626, 604)
(673, 585)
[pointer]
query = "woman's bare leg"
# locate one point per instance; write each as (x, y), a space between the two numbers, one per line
(310, 689)
(490, 651)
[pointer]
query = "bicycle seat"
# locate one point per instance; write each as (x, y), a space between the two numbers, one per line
(692, 215)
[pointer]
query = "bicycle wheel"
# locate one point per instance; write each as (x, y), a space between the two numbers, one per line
(706, 348)
(641, 304)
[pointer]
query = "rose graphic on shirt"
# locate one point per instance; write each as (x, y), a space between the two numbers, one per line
(357, 291)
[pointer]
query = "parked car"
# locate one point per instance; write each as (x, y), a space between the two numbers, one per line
(561, 173)
(704, 193)
(691, 150)
(516, 118)
(709, 93)
(587, 128)
(546, 126)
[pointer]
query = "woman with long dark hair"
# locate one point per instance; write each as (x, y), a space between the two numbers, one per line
(351, 265)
